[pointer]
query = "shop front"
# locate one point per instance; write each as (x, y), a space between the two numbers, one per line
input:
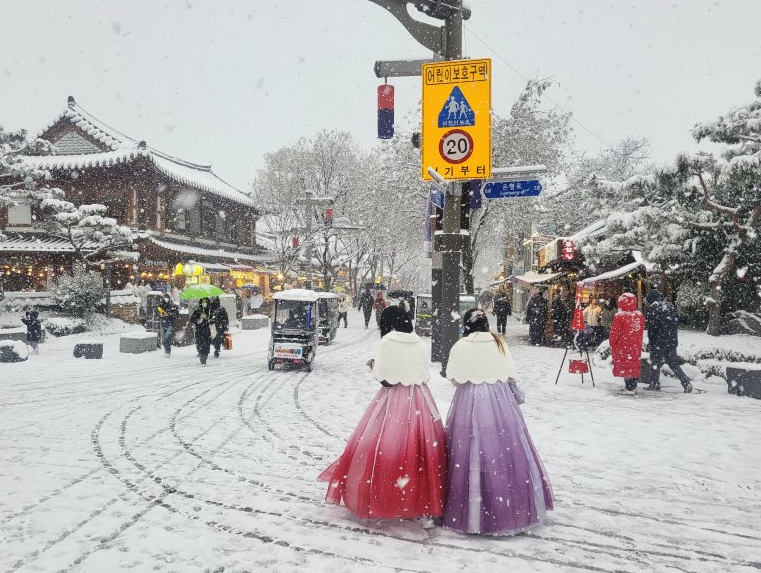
(612, 284)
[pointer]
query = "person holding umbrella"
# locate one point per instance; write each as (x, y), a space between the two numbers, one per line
(201, 321)
(221, 321)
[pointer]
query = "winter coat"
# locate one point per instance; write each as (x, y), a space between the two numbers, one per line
(561, 314)
(33, 327)
(201, 321)
(606, 317)
(401, 359)
(168, 311)
(477, 359)
(220, 319)
(343, 305)
(536, 311)
(379, 304)
(366, 302)
(502, 305)
(592, 314)
(662, 322)
(626, 335)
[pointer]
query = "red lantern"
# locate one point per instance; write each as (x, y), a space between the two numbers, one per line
(329, 217)
(295, 242)
(567, 250)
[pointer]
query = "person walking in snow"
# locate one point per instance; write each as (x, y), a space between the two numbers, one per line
(536, 314)
(221, 322)
(366, 306)
(662, 326)
(394, 464)
(343, 309)
(496, 483)
(33, 330)
(168, 313)
(201, 321)
(502, 309)
(379, 305)
(626, 333)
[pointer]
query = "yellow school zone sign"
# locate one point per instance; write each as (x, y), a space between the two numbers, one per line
(456, 138)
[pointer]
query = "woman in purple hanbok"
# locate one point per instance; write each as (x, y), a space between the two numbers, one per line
(496, 482)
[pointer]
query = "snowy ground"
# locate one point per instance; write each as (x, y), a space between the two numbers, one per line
(135, 462)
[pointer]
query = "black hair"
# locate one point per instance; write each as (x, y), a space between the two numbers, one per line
(475, 320)
(394, 318)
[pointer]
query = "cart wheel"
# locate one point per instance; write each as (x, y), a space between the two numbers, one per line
(309, 364)
(270, 365)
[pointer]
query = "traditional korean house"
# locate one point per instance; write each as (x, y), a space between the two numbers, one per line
(186, 212)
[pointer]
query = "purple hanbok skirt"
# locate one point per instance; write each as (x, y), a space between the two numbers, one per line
(496, 482)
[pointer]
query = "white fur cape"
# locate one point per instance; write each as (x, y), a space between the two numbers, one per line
(401, 359)
(477, 359)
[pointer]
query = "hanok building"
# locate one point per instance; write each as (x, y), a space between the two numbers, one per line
(198, 228)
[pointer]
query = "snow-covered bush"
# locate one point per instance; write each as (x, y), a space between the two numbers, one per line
(742, 322)
(13, 351)
(690, 303)
(78, 294)
(61, 326)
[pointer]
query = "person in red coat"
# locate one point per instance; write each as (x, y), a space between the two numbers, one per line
(626, 334)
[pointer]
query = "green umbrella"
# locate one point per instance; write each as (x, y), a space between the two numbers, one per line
(200, 291)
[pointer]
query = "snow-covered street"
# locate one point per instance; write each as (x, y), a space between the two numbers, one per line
(141, 463)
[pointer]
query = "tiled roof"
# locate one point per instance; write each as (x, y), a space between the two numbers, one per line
(124, 149)
(35, 244)
(212, 253)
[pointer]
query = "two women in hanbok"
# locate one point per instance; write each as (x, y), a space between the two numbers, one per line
(484, 476)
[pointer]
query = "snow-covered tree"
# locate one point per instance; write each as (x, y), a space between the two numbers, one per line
(531, 134)
(94, 237)
(79, 293)
(18, 182)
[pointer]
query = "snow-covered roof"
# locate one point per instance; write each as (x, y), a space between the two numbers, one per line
(615, 273)
(324, 294)
(533, 277)
(122, 149)
(36, 244)
(212, 253)
(297, 294)
(595, 229)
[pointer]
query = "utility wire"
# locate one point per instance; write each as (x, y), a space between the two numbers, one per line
(552, 101)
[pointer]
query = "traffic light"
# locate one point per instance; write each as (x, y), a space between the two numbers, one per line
(385, 111)
(329, 217)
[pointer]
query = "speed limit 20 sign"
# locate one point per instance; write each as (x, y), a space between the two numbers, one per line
(456, 138)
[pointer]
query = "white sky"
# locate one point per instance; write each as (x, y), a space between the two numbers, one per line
(225, 82)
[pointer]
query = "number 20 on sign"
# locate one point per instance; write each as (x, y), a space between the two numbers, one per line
(456, 138)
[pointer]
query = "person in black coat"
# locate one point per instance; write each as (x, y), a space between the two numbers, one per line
(168, 312)
(536, 314)
(562, 313)
(502, 309)
(33, 330)
(366, 304)
(221, 321)
(201, 321)
(662, 324)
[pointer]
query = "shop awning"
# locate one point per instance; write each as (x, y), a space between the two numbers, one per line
(213, 267)
(534, 278)
(616, 273)
(241, 268)
(232, 256)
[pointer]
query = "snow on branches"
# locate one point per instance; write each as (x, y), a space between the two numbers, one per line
(94, 236)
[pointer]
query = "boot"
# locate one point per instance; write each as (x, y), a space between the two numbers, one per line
(687, 387)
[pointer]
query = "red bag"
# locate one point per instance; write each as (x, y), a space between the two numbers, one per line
(227, 341)
(578, 367)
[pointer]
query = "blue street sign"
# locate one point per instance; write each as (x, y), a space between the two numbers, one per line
(505, 189)
(436, 196)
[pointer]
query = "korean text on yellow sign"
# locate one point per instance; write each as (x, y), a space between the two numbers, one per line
(456, 138)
